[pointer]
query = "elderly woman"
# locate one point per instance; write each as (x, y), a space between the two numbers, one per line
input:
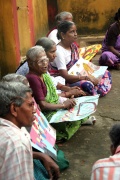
(67, 56)
(62, 16)
(111, 45)
(50, 49)
(45, 93)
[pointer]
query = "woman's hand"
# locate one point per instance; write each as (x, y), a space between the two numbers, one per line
(93, 80)
(75, 93)
(75, 87)
(66, 88)
(70, 103)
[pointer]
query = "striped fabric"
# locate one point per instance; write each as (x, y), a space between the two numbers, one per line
(108, 168)
(16, 162)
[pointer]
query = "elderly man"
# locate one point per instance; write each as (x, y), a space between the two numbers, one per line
(109, 168)
(16, 110)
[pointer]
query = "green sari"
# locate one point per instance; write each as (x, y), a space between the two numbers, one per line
(65, 130)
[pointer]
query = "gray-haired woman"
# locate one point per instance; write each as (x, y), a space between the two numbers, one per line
(62, 16)
(59, 82)
(45, 93)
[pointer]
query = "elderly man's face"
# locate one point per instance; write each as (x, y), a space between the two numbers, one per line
(25, 113)
(40, 65)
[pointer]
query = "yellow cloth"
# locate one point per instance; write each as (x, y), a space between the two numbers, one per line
(89, 52)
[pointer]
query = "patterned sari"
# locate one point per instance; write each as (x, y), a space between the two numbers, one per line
(102, 88)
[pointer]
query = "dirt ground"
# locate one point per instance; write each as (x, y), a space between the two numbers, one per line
(91, 143)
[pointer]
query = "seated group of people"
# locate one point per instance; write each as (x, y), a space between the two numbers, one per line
(45, 71)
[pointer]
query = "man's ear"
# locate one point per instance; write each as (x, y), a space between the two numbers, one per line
(13, 109)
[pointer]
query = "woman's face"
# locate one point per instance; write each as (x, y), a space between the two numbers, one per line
(40, 65)
(71, 35)
(51, 54)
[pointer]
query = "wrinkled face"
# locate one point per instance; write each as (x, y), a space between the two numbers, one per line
(25, 113)
(71, 34)
(51, 54)
(40, 65)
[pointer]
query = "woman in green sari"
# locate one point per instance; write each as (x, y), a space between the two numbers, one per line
(45, 93)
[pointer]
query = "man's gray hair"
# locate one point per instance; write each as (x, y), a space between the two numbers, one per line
(13, 77)
(62, 16)
(11, 92)
(33, 52)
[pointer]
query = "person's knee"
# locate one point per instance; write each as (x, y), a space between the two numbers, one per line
(87, 87)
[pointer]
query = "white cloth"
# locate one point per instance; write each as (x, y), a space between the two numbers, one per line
(16, 161)
(62, 99)
(53, 36)
(56, 80)
(62, 59)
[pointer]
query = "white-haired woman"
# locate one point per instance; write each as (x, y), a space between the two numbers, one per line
(59, 82)
(45, 93)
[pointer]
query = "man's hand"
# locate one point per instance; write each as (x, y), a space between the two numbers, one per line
(51, 167)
